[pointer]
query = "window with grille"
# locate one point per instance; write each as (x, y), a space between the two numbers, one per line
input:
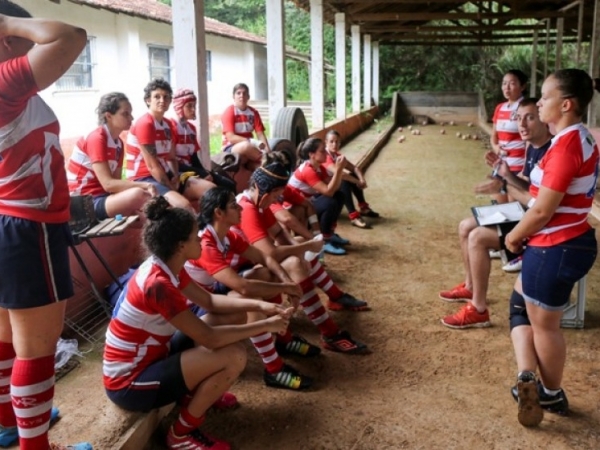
(160, 63)
(80, 74)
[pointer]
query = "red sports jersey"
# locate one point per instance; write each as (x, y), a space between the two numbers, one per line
(216, 256)
(99, 146)
(288, 198)
(186, 142)
(329, 163)
(571, 166)
(147, 131)
(139, 332)
(509, 139)
(306, 176)
(32, 166)
(243, 123)
(255, 222)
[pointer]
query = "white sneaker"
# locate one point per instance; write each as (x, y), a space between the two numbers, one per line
(514, 265)
(494, 254)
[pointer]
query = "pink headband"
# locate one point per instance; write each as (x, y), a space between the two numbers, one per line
(181, 97)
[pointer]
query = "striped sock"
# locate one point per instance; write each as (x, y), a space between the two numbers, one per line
(7, 359)
(186, 423)
(321, 279)
(313, 308)
(265, 346)
(32, 390)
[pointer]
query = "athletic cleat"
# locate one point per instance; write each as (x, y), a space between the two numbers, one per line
(336, 239)
(530, 412)
(297, 346)
(348, 302)
(558, 404)
(458, 293)
(332, 249)
(468, 317)
(513, 266)
(79, 446)
(368, 212)
(495, 254)
(226, 401)
(342, 342)
(359, 223)
(287, 378)
(196, 440)
(10, 435)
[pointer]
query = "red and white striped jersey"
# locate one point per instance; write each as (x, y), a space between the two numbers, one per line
(186, 143)
(33, 181)
(509, 139)
(217, 255)
(147, 131)
(306, 176)
(571, 166)
(99, 146)
(243, 123)
(140, 331)
(256, 222)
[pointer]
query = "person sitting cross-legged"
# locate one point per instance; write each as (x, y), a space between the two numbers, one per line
(476, 241)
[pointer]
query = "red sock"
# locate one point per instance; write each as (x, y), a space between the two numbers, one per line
(7, 359)
(285, 338)
(321, 279)
(265, 346)
(363, 206)
(313, 308)
(186, 423)
(354, 215)
(32, 390)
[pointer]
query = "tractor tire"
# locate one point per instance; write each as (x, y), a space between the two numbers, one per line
(290, 124)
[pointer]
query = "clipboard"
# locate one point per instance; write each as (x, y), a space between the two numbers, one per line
(496, 214)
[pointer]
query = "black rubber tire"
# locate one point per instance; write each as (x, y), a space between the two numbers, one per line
(290, 124)
(284, 145)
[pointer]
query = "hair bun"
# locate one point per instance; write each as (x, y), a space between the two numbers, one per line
(156, 208)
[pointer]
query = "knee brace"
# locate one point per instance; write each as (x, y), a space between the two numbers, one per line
(517, 311)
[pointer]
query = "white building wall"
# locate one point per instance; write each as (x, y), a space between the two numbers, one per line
(120, 54)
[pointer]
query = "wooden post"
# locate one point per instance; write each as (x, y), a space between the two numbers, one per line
(533, 78)
(594, 62)
(560, 25)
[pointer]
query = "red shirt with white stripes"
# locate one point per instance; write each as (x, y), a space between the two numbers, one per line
(148, 131)
(241, 122)
(306, 176)
(140, 331)
(509, 139)
(571, 166)
(217, 255)
(98, 147)
(186, 143)
(256, 222)
(33, 181)
(290, 197)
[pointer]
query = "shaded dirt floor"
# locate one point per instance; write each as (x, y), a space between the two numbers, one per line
(424, 386)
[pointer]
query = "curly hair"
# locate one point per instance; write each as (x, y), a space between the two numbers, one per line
(157, 83)
(165, 228)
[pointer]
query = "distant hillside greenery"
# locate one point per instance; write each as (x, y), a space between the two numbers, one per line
(402, 68)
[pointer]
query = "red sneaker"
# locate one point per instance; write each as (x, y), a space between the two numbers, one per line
(196, 440)
(226, 401)
(468, 317)
(458, 293)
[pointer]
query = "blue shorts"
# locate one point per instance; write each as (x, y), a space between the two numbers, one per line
(34, 263)
(160, 384)
(549, 273)
(160, 188)
(100, 206)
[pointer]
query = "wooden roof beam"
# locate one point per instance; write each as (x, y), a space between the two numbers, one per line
(428, 16)
(471, 43)
(431, 28)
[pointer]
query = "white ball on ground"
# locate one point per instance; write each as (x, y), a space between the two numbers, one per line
(424, 123)
(400, 129)
(410, 127)
(458, 134)
(452, 122)
(442, 131)
(465, 137)
(470, 124)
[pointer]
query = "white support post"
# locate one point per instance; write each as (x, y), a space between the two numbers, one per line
(355, 31)
(367, 71)
(594, 64)
(376, 72)
(190, 63)
(275, 57)
(560, 26)
(317, 93)
(340, 65)
(533, 78)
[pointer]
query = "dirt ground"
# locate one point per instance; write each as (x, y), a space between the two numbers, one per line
(424, 386)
